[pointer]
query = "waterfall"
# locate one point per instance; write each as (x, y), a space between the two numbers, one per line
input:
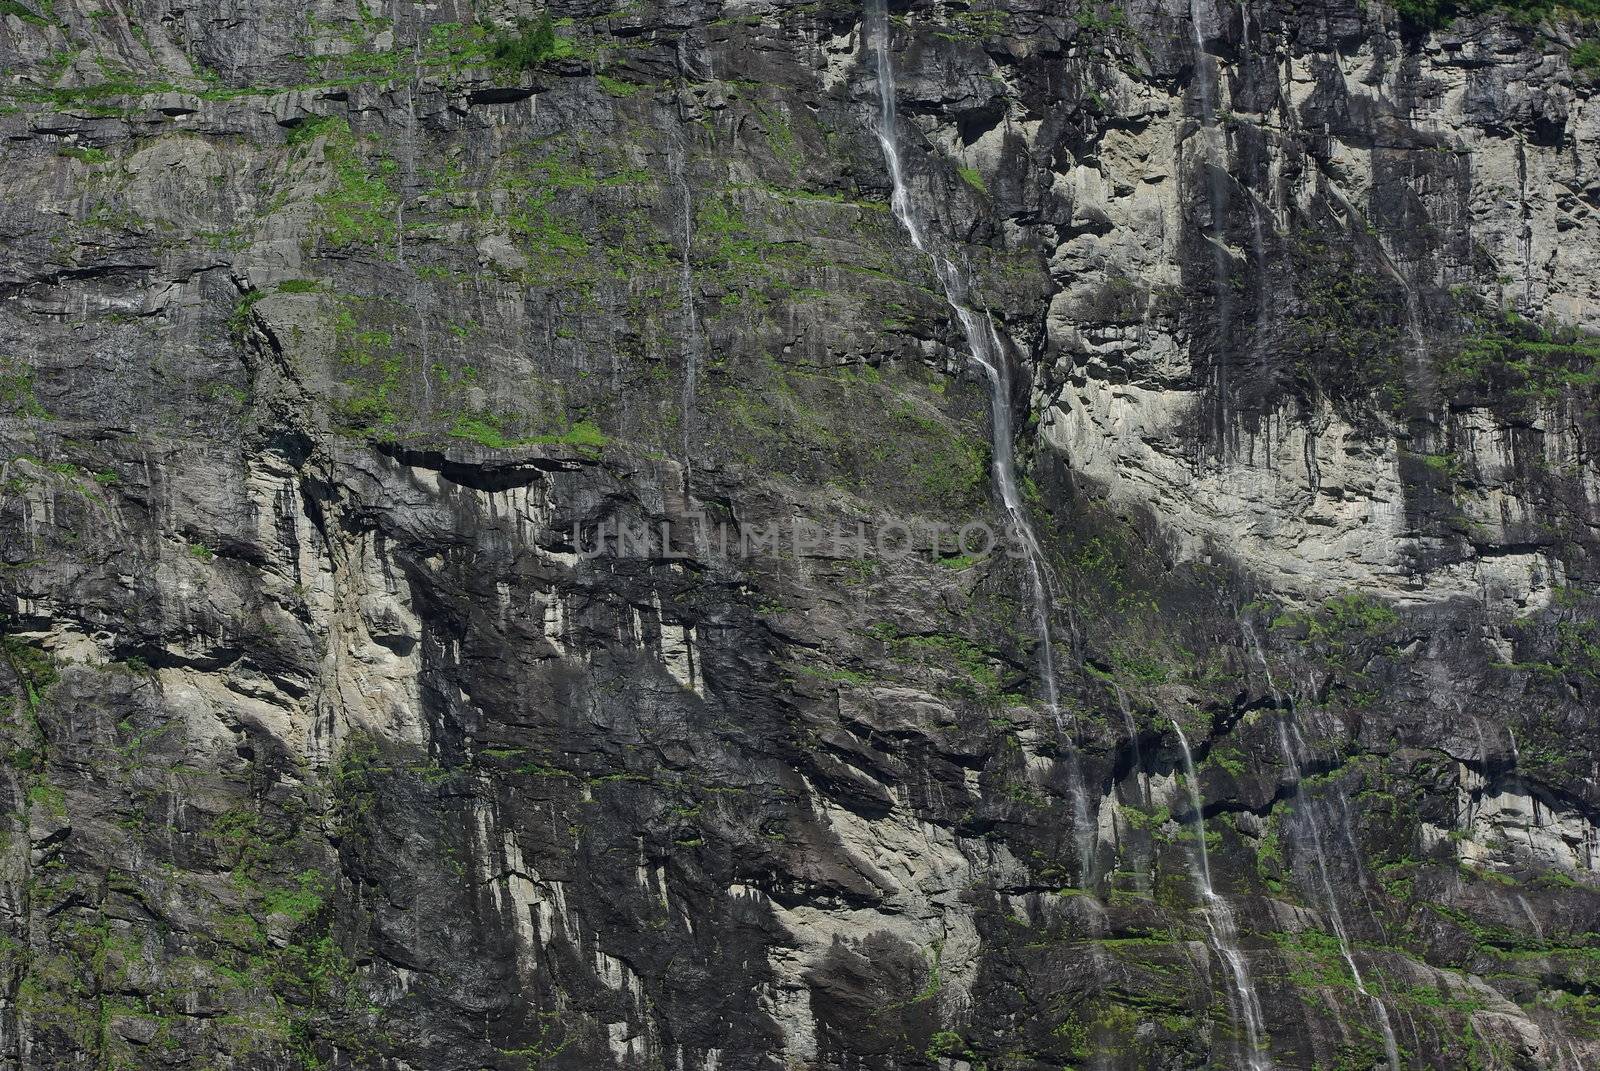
(1141, 778)
(1335, 917)
(1293, 746)
(986, 349)
(1202, 67)
(1219, 920)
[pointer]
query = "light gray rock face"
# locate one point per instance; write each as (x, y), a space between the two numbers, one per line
(479, 584)
(1309, 497)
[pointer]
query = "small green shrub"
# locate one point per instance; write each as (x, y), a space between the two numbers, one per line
(16, 390)
(48, 798)
(945, 1043)
(35, 668)
(240, 320)
(1426, 14)
(530, 44)
(586, 435)
(481, 430)
(1342, 621)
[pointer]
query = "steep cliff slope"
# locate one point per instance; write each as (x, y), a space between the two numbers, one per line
(479, 490)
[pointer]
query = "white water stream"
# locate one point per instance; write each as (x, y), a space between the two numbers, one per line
(987, 350)
(1293, 747)
(1219, 920)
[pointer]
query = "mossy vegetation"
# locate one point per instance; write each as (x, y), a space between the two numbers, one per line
(957, 468)
(806, 421)
(973, 23)
(551, 238)
(1340, 620)
(960, 667)
(31, 665)
(487, 430)
(17, 396)
(1563, 641)
(1585, 57)
(1103, 19)
(243, 309)
(595, 268)
(1347, 329)
(84, 154)
(109, 990)
(42, 14)
(333, 54)
(359, 205)
(1433, 14)
(1503, 355)
(1315, 960)
(377, 374)
(616, 87)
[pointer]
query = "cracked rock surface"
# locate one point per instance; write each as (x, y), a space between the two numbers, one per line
(479, 585)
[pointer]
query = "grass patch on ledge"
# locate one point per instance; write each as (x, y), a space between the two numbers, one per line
(486, 430)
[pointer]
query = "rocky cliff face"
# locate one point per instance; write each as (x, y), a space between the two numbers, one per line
(478, 573)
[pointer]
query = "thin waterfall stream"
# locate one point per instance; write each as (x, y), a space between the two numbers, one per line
(1335, 917)
(1141, 778)
(985, 347)
(691, 335)
(1293, 748)
(1219, 920)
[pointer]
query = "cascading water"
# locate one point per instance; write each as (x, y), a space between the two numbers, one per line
(989, 352)
(1558, 1040)
(1202, 65)
(1219, 920)
(1142, 778)
(1335, 917)
(1293, 746)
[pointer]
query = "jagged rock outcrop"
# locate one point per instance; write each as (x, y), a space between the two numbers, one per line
(480, 576)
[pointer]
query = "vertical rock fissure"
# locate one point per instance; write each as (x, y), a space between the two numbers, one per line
(691, 334)
(986, 349)
(1214, 160)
